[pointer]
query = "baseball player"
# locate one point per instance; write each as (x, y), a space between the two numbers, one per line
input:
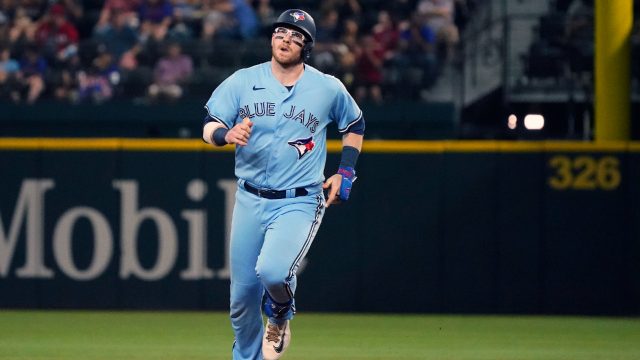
(276, 114)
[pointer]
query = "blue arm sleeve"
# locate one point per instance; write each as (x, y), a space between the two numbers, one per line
(356, 127)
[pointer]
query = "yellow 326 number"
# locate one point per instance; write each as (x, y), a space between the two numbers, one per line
(584, 173)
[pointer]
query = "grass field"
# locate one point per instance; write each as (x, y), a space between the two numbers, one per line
(84, 335)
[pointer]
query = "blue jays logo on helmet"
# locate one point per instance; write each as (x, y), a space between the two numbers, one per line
(297, 16)
(303, 146)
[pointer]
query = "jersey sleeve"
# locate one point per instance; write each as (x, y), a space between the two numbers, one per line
(222, 106)
(345, 111)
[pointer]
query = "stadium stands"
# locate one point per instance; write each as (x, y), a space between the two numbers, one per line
(72, 36)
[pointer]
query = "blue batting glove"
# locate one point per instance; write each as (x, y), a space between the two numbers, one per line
(348, 177)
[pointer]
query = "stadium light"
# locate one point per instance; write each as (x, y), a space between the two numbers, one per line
(534, 121)
(512, 121)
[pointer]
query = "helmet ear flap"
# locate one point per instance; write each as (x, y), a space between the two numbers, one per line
(306, 51)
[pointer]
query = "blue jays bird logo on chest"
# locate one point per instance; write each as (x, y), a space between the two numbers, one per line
(303, 146)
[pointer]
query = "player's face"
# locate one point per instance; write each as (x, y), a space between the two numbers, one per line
(286, 46)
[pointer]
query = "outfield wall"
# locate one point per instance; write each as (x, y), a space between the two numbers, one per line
(471, 227)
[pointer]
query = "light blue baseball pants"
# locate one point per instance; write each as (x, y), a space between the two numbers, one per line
(269, 238)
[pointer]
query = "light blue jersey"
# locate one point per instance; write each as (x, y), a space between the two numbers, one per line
(287, 147)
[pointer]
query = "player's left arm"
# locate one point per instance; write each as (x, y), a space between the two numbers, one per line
(347, 114)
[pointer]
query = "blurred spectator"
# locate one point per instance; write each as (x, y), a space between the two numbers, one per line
(246, 19)
(118, 36)
(346, 50)
(347, 9)
(350, 33)
(170, 74)
(75, 10)
(266, 14)
(186, 9)
(9, 69)
(350, 9)
(327, 29)
(7, 13)
(400, 9)
(324, 50)
(33, 9)
(129, 59)
(439, 15)
(65, 81)
(416, 51)
(186, 19)
(218, 18)
(128, 7)
(8, 65)
(369, 63)
(57, 37)
(155, 19)
(347, 68)
(23, 29)
(4, 28)
(98, 82)
(30, 78)
(386, 35)
(8, 8)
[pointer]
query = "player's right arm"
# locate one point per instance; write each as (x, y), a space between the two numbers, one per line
(216, 133)
(220, 127)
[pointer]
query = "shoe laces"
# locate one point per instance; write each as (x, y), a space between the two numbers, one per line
(273, 333)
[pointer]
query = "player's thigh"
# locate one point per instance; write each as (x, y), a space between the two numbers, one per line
(247, 235)
(290, 235)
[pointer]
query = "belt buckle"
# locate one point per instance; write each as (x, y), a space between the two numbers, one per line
(259, 193)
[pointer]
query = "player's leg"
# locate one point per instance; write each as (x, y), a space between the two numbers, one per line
(291, 231)
(287, 240)
(246, 290)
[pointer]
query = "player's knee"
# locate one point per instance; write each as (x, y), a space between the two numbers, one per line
(272, 276)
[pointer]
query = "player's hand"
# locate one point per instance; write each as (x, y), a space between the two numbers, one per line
(333, 184)
(240, 133)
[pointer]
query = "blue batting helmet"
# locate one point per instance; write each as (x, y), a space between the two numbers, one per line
(303, 22)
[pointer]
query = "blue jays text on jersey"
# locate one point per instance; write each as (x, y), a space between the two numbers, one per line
(287, 147)
(268, 109)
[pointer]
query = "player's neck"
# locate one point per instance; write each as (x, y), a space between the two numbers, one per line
(287, 75)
